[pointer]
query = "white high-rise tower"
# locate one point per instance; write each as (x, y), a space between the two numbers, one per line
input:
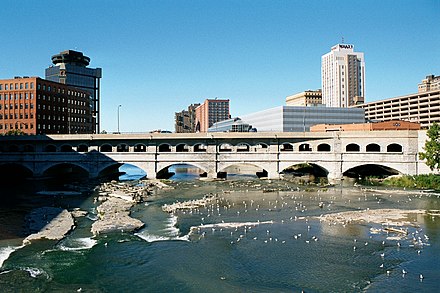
(343, 76)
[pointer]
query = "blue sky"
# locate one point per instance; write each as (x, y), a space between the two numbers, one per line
(160, 56)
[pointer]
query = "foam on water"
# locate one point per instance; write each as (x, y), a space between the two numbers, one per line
(154, 238)
(77, 244)
(5, 252)
(35, 272)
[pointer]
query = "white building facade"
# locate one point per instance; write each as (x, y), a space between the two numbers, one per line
(343, 77)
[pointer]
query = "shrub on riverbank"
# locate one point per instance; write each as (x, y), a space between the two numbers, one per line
(425, 181)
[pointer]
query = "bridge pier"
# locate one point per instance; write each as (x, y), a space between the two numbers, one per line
(335, 177)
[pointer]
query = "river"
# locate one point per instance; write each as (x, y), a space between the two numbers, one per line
(255, 236)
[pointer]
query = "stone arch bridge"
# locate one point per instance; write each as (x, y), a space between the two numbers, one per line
(335, 152)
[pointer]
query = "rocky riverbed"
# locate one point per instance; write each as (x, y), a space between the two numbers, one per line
(115, 200)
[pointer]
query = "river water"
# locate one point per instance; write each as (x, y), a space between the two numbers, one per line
(274, 242)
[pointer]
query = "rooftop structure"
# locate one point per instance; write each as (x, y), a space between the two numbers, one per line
(231, 125)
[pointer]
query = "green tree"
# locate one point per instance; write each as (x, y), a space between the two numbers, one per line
(432, 147)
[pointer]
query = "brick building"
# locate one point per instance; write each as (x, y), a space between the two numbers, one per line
(210, 112)
(37, 106)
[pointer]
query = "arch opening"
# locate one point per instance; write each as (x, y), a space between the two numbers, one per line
(394, 148)
(164, 148)
(286, 147)
(66, 148)
(140, 148)
(305, 147)
(370, 170)
(324, 147)
(181, 172)
(182, 148)
(199, 148)
(105, 148)
(305, 173)
(225, 147)
(243, 147)
(122, 148)
(129, 172)
(50, 148)
(242, 171)
(82, 148)
(352, 147)
(372, 147)
(66, 171)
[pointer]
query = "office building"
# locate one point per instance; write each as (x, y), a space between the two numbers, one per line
(300, 119)
(185, 120)
(423, 107)
(32, 105)
(306, 98)
(430, 83)
(70, 67)
(343, 77)
(210, 112)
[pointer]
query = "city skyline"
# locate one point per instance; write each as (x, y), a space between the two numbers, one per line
(160, 57)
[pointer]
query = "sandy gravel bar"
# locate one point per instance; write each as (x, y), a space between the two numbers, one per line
(395, 217)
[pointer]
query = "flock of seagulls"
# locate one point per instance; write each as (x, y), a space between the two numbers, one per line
(228, 206)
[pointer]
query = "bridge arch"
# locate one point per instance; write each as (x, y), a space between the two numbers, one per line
(63, 170)
(106, 148)
(372, 147)
(394, 148)
(376, 170)
(164, 173)
(14, 171)
(352, 147)
(254, 169)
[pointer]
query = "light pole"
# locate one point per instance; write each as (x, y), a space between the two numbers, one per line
(119, 107)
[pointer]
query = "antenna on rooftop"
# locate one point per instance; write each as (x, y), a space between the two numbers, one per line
(342, 40)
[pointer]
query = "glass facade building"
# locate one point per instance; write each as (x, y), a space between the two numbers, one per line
(299, 119)
(70, 68)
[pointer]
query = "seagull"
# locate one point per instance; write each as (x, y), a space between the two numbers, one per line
(404, 272)
(421, 277)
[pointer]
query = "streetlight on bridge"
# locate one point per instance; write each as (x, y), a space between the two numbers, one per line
(119, 107)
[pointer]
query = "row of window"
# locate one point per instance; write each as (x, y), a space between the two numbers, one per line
(16, 106)
(17, 125)
(12, 86)
(19, 96)
(17, 116)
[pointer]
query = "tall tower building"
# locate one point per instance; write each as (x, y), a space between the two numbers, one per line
(70, 68)
(210, 112)
(343, 76)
